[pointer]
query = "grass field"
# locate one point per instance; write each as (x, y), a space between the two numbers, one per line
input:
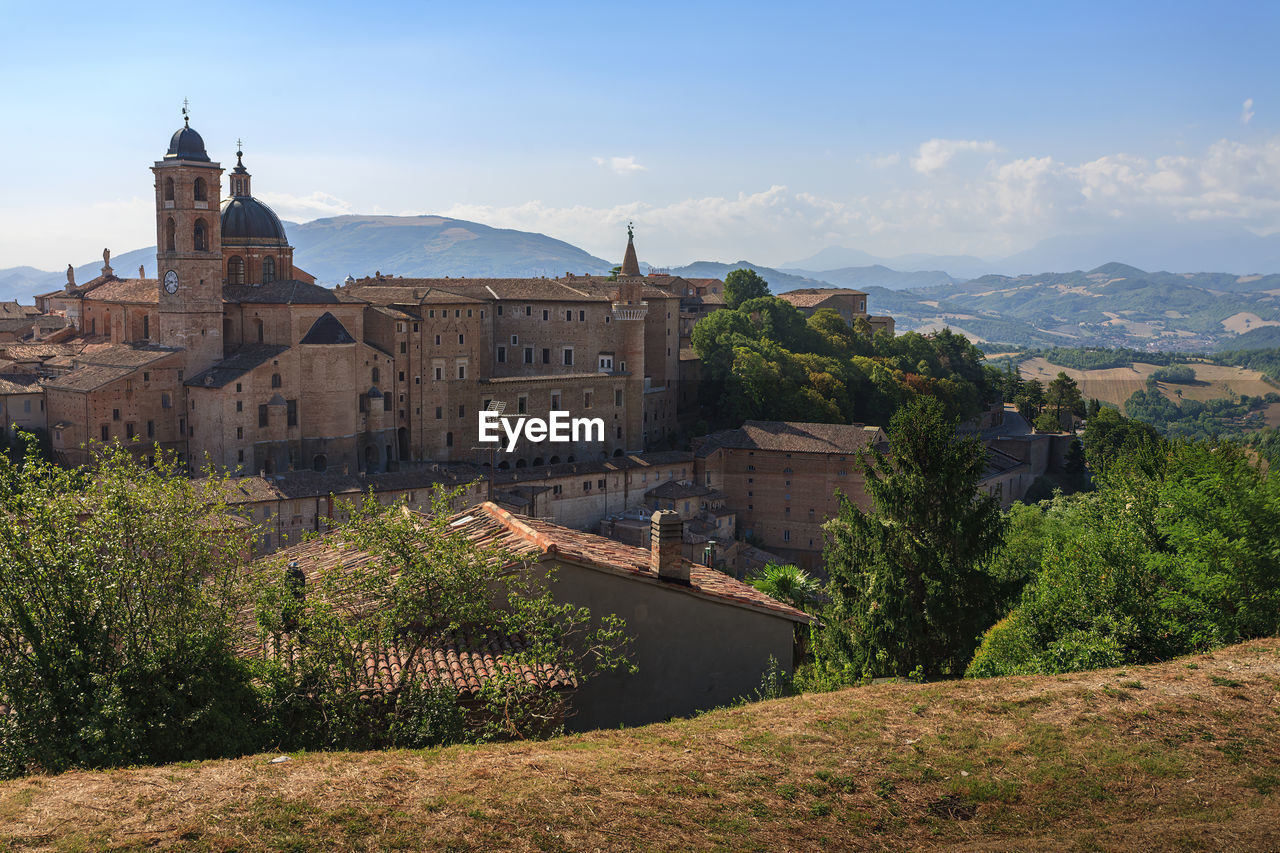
(1181, 755)
(1117, 384)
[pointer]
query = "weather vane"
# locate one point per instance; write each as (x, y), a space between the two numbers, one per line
(239, 147)
(630, 231)
(186, 114)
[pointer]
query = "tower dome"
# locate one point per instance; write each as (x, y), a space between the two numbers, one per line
(247, 221)
(186, 144)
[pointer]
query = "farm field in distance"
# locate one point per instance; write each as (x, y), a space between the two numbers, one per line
(1116, 384)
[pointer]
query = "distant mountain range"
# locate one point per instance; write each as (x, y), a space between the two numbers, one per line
(1109, 305)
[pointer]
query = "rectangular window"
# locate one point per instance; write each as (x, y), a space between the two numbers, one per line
(402, 376)
(239, 432)
(555, 400)
(437, 340)
(568, 316)
(263, 417)
(291, 413)
(115, 413)
(568, 356)
(586, 399)
(128, 430)
(522, 405)
(439, 412)
(502, 355)
(515, 339)
(462, 371)
(151, 429)
(606, 362)
(528, 355)
(546, 355)
(239, 405)
(460, 340)
(617, 397)
(499, 310)
(544, 315)
(528, 310)
(586, 485)
(462, 411)
(439, 373)
(582, 316)
(106, 432)
(404, 347)
(786, 536)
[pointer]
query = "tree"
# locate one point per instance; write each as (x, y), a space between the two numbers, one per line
(119, 584)
(1030, 399)
(743, 284)
(1064, 396)
(788, 584)
(908, 583)
(415, 582)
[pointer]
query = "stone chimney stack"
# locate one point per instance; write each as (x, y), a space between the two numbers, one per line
(666, 535)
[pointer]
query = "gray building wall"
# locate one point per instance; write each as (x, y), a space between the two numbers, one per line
(692, 653)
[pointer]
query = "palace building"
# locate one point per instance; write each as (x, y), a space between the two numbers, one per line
(234, 357)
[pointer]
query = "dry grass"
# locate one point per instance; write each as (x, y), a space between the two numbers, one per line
(1116, 384)
(1180, 755)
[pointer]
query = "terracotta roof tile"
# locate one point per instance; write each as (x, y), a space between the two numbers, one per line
(126, 290)
(811, 297)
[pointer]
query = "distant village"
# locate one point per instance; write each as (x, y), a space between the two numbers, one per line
(235, 359)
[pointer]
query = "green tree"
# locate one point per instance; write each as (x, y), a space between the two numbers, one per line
(119, 584)
(789, 584)
(1064, 396)
(743, 284)
(1030, 399)
(414, 581)
(908, 582)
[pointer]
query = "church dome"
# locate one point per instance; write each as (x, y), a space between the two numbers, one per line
(186, 144)
(246, 220)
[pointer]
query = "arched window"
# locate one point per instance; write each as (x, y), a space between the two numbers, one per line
(168, 189)
(375, 376)
(201, 190)
(201, 235)
(275, 380)
(268, 270)
(235, 270)
(171, 236)
(319, 463)
(520, 463)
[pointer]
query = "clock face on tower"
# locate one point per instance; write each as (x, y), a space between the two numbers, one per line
(171, 281)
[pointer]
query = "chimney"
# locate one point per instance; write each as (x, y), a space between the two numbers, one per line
(666, 535)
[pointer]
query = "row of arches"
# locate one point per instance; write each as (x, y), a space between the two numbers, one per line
(199, 190)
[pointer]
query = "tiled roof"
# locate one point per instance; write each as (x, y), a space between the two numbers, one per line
(999, 462)
(673, 489)
(793, 437)
(235, 366)
(488, 523)
(629, 462)
(458, 660)
(105, 365)
(36, 352)
(19, 383)
(126, 290)
(423, 290)
(286, 292)
(12, 309)
(327, 330)
(812, 297)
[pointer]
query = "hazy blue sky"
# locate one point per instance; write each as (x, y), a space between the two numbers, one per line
(725, 130)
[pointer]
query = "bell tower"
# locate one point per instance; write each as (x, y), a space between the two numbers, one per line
(189, 248)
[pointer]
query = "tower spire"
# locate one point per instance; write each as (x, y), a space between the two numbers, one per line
(630, 264)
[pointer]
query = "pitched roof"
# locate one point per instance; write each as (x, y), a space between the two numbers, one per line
(236, 365)
(793, 437)
(285, 292)
(104, 365)
(814, 296)
(425, 290)
(19, 383)
(630, 265)
(11, 310)
(327, 330)
(674, 489)
(488, 523)
(459, 660)
(126, 290)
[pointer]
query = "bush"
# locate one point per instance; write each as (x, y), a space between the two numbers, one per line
(118, 587)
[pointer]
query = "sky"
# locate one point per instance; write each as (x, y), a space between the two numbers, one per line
(725, 131)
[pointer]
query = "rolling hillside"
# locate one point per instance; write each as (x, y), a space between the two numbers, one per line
(1180, 755)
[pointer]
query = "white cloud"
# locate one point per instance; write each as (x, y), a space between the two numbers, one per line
(316, 205)
(1246, 113)
(886, 161)
(620, 165)
(937, 153)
